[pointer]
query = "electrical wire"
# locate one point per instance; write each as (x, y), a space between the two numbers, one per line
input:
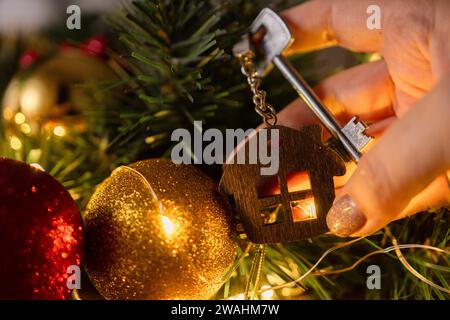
(395, 247)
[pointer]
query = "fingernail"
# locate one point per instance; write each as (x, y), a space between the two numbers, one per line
(344, 217)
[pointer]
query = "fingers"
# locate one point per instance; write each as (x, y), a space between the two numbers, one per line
(406, 159)
(323, 23)
(365, 90)
(296, 181)
(438, 44)
(436, 195)
(377, 128)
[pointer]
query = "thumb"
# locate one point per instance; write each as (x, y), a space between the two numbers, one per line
(407, 158)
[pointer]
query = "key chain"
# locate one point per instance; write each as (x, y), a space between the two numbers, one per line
(264, 109)
(274, 37)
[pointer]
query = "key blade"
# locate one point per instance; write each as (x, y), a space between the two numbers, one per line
(354, 130)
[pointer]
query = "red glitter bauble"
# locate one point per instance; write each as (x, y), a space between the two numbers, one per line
(41, 234)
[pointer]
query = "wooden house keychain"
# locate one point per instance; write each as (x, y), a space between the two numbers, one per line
(271, 210)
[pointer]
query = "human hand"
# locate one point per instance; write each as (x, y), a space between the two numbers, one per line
(405, 97)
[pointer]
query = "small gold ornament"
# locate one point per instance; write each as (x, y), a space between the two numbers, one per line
(52, 94)
(156, 230)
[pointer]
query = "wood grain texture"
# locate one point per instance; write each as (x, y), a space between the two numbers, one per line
(299, 151)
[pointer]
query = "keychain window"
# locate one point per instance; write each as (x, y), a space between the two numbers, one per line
(269, 200)
(302, 204)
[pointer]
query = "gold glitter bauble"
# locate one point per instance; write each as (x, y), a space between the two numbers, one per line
(156, 230)
(53, 94)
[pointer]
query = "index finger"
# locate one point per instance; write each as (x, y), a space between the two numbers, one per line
(322, 23)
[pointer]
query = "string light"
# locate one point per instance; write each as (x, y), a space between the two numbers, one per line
(168, 226)
(408, 267)
(239, 296)
(37, 166)
(19, 118)
(155, 138)
(25, 128)
(15, 143)
(307, 273)
(7, 114)
(291, 292)
(31, 97)
(396, 247)
(59, 131)
(34, 155)
(267, 295)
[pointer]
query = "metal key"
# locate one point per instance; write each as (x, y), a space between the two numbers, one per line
(277, 38)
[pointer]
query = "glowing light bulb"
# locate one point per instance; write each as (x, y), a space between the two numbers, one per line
(25, 128)
(237, 297)
(59, 131)
(168, 226)
(7, 114)
(31, 99)
(19, 118)
(266, 295)
(304, 209)
(15, 143)
(37, 166)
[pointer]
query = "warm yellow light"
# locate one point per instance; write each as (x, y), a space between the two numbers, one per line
(25, 127)
(30, 101)
(266, 295)
(15, 143)
(7, 114)
(37, 166)
(75, 196)
(34, 155)
(291, 292)
(154, 138)
(19, 118)
(237, 297)
(168, 226)
(304, 209)
(375, 57)
(149, 140)
(59, 131)
(311, 212)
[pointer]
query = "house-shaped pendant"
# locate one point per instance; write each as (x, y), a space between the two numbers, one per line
(291, 205)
